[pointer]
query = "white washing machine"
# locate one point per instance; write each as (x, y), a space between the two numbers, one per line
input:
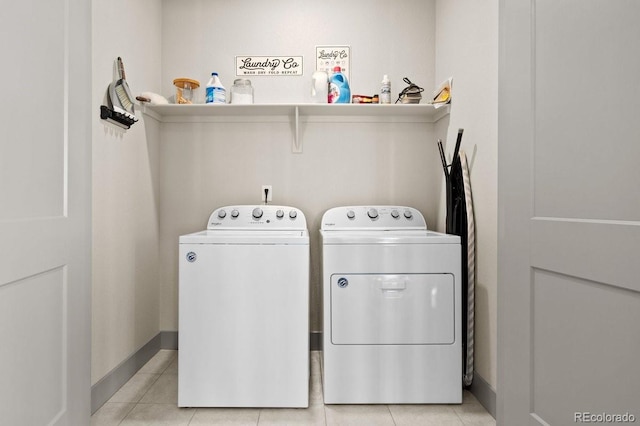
(244, 310)
(392, 308)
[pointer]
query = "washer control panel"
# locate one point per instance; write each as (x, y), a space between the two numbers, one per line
(267, 217)
(373, 218)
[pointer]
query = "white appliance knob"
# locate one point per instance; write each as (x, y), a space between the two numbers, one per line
(257, 213)
(351, 214)
(293, 214)
(235, 213)
(279, 214)
(372, 213)
(222, 214)
(395, 214)
(408, 214)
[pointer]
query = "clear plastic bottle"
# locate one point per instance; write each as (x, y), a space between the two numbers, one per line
(216, 93)
(385, 90)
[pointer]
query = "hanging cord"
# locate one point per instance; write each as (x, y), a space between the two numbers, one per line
(411, 88)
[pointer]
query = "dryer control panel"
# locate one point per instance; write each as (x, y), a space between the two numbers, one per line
(257, 217)
(373, 218)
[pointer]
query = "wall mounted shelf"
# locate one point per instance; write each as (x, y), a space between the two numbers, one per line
(295, 113)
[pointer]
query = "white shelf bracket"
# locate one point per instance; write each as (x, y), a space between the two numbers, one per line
(296, 147)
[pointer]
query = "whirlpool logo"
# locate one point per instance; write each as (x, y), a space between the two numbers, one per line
(343, 282)
(191, 257)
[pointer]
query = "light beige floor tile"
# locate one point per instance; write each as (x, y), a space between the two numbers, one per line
(159, 363)
(358, 415)
(111, 413)
(474, 415)
(315, 392)
(320, 363)
(173, 367)
(135, 388)
(157, 397)
(158, 415)
(315, 383)
(468, 398)
(292, 416)
(225, 416)
(315, 364)
(163, 391)
(424, 415)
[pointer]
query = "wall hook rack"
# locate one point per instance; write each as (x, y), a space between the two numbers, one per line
(121, 119)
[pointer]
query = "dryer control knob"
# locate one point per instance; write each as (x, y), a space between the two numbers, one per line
(279, 214)
(408, 214)
(395, 214)
(257, 213)
(351, 214)
(235, 213)
(293, 214)
(222, 214)
(372, 213)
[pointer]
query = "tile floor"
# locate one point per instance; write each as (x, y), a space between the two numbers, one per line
(150, 398)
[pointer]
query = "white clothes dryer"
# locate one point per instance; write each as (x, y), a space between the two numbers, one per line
(244, 310)
(392, 308)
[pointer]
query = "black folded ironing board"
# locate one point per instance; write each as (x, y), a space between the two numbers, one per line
(460, 221)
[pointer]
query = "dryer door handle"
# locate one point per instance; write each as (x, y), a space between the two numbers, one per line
(395, 284)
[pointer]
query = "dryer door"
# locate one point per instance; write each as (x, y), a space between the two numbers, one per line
(382, 309)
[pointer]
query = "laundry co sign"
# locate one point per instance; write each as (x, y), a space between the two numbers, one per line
(268, 65)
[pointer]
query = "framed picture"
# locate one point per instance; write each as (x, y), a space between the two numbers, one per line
(328, 57)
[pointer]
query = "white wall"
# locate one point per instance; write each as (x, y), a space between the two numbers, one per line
(125, 188)
(467, 49)
(207, 35)
(208, 165)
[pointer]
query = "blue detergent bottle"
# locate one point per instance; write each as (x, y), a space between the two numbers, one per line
(339, 92)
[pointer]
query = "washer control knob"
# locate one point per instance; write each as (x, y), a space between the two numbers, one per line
(293, 214)
(235, 213)
(408, 214)
(279, 214)
(257, 213)
(395, 214)
(351, 214)
(222, 214)
(372, 213)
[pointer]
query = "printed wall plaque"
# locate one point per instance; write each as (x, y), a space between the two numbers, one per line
(251, 66)
(328, 57)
